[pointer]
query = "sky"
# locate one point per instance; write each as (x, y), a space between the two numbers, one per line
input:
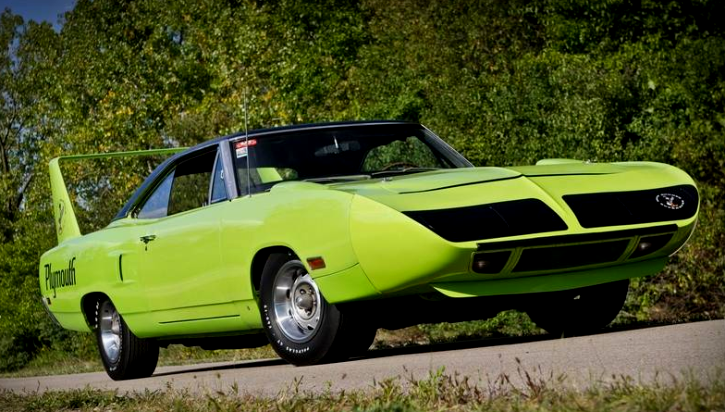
(39, 10)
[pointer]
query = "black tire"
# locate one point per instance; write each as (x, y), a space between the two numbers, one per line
(124, 355)
(301, 333)
(359, 341)
(358, 334)
(579, 311)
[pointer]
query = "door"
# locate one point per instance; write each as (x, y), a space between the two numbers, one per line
(179, 233)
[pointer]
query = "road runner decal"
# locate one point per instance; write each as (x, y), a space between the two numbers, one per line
(60, 278)
(670, 201)
(61, 212)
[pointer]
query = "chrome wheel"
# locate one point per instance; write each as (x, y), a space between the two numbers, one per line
(109, 326)
(124, 355)
(297, 304)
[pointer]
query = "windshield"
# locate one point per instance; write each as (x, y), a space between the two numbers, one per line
(339, 153)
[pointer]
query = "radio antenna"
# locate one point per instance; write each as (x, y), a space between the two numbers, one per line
(246, 144)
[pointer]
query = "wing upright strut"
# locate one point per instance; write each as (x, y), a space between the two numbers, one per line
(66, 224)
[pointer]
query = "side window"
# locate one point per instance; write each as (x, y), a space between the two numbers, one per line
(190, 188)
(185, 188)
(218, 187)
(158, 203)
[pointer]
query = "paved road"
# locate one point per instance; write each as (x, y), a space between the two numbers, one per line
(642, 354)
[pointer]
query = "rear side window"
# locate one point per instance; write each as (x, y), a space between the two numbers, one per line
(157, 205)
(185, 188)
(190, 189)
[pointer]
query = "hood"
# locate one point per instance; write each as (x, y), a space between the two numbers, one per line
(450, 178)
(419, 191)
(429, 181)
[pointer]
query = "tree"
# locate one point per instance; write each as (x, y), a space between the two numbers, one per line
(26, 62)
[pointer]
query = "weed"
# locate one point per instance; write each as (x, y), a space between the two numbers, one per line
(529, 390)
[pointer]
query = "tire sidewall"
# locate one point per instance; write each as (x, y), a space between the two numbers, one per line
(317, 346)
(596, 307)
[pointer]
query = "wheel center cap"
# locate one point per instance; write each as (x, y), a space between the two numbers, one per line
(304, 301)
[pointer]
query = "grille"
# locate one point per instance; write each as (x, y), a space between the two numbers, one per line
(562, 257)
(572, 251)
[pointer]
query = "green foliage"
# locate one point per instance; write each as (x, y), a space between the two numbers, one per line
(508, 323)
(505, 82)
(411, 152)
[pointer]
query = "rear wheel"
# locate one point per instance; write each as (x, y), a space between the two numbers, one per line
(301, 326)
(124, 355)
(579, 311)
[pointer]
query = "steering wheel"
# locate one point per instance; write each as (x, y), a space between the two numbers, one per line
(397, 164)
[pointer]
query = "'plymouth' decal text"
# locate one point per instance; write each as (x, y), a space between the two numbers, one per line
(60, 278)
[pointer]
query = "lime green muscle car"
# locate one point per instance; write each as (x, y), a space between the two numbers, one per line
(312, 237)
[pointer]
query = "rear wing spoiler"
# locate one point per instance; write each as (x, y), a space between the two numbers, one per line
(66, 224)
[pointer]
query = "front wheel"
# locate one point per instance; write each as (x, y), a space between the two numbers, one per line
(124, 355)
(579, 311)
(301, 326)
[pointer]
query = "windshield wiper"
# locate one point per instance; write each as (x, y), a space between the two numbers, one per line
(331, 179)
(405, 171)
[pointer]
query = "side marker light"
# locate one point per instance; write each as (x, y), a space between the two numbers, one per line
(316, 262)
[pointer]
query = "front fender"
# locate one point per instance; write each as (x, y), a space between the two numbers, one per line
(396, 252)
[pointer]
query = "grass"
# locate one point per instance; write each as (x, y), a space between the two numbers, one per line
(438, 392)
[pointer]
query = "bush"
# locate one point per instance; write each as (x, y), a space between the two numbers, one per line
(507, 323)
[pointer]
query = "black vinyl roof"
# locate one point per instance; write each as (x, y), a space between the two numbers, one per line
(305, 127)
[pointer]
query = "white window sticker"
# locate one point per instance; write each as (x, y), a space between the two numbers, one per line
(242, 147)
